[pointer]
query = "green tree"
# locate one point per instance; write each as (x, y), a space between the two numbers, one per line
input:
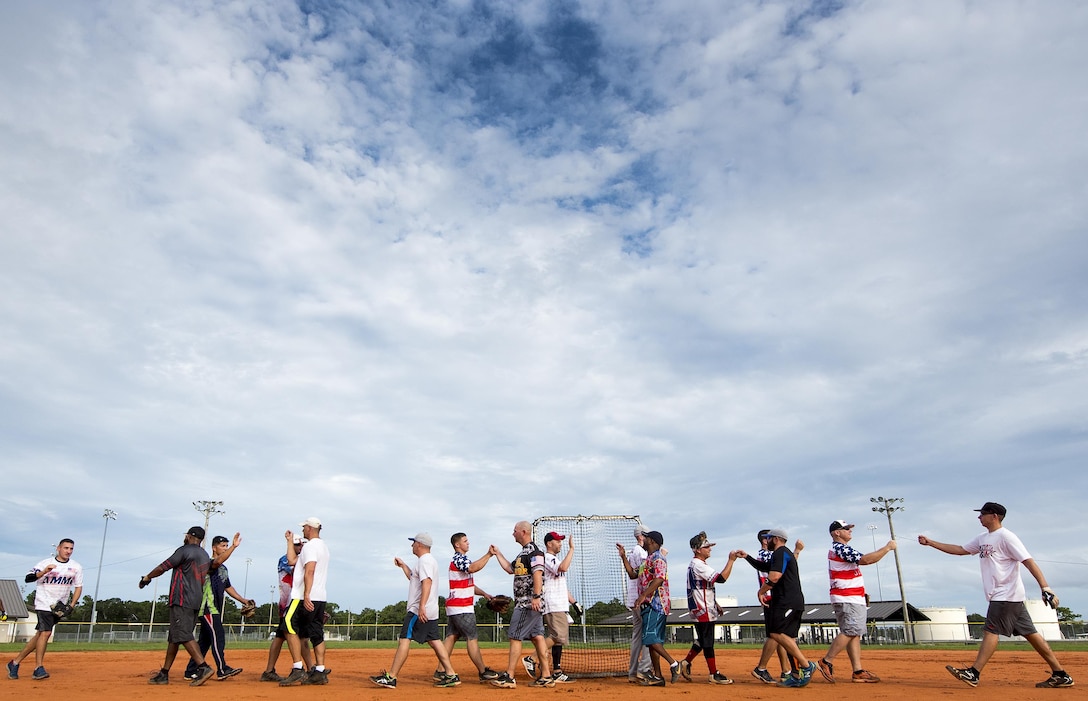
(602, 610)
(1066, 615)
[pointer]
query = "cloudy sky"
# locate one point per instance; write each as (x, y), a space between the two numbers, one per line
(446, 265)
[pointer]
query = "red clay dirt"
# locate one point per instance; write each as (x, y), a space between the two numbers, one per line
(906, 674)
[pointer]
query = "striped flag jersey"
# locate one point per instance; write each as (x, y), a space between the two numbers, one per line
(462, 586)
(847, 584)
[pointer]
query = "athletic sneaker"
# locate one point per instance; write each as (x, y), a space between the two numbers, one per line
(227, 673)
(294, 678)
(530, 666)
(488, 674)
(13, 670)
(161, 678)
(543, 682)
(314, 677)
(719, 678)
(384, 680)
(560, 677)
(271, 677)
(1057, 680)
(40, 674)
(504, 680)
(438, 674)
(864, 677)
(675, 669)
(190, 675)
(967, 675)
(651, 679)
(792, 681)
(828, 670)
(204, 673)
(448, 680)
(685, 669)
(763, 675)
(807, 672)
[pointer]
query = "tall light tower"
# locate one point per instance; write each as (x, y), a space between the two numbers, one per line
(887, 506)
(208, 508)
(107, 515)
(880, 590)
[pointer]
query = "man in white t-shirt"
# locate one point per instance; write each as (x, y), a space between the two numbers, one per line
(557, 601)
(421, 620)
(58, 579)
(306, 612)
(1000, 555)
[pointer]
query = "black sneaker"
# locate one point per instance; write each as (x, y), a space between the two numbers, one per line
(161, 678)
(967, 675)
(448, 680)
(543, 682)
(763, 676)
(384, 680)
(1057, 680)
(204, 673)
(560, 677)
(828, 670)
(271, 677)
(40, 674)
(530, 666)
(675, 669)
(227, 673)
(314, 677)
(651, 679)
(294, 678)
(488, 674)
(504, 681)
(719, 678)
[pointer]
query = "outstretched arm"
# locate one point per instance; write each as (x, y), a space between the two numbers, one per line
(943, 547)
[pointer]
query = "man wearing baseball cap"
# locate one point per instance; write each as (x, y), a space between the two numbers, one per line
(848, 599)
(786, 606)
(703, 605)
(306, 612)
(421, 619)
(1002, 553)
(190, 565)
(639, 666)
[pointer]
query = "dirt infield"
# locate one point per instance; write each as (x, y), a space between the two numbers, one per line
(906, 674)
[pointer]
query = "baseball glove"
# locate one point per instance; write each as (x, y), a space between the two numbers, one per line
(1050, 598)
(499, 604)
(249, 609)
(61, 609)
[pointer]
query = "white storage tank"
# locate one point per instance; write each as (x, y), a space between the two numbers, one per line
(945, 624)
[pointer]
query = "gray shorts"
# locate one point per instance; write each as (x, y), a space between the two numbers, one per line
(851, 618)
(463, 625)
(526, 624)
(1008, 618)
(558, 626)
(182, 622)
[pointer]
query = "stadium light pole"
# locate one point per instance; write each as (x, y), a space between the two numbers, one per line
(887, 506)
(880, 590)
(107, 515)
(245, 589)
(208, 508)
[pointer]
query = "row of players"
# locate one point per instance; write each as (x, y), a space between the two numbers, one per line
(541, 602)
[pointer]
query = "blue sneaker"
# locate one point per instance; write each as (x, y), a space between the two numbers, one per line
(40, 673)
(807, 672)
(792, 681)
(13, 670)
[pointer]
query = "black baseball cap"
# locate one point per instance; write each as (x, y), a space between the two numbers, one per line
(992, 507)
(219, 539)
(196, 532)
(656, 537)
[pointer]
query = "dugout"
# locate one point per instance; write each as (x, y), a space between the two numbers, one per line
(14, 608)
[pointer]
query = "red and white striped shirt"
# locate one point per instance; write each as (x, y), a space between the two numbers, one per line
(847, 584)
(462, 587)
